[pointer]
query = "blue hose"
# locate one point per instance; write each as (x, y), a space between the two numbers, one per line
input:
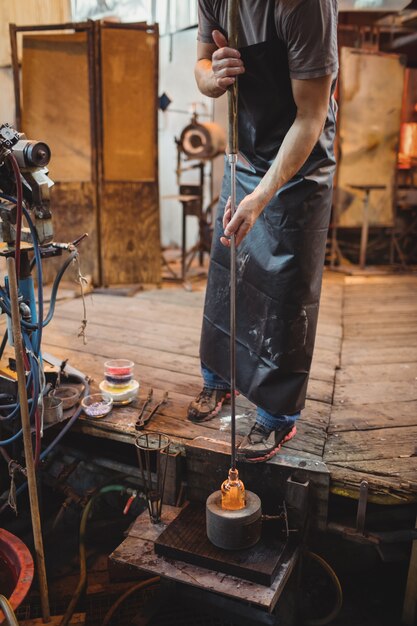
(53, 443)
(33, 348)
(6, 442)
(34, 372)
(38, 338)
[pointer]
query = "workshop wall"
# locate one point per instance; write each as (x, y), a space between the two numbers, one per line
(176, 78)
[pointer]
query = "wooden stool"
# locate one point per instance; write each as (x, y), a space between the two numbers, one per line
(365, 219)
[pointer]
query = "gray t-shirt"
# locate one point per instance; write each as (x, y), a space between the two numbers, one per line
(307, 27)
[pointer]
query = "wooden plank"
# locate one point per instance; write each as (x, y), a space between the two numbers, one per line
(139, 308)
(379, 392)
(393, 372)
(383, 318)
(163, 311)
(180, 378)
(372, 416)
(379, 330)
(125, 343)
(368, 308)
(403, 470)
(189, 299)
(376, 444)
(386, 490)
(378, 343)
(153, 334)
(379, 281)
(369, 355)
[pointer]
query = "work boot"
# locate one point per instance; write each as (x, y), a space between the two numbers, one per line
(207, 404)
(262, 444)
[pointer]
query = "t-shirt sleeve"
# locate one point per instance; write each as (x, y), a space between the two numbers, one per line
(310, 33)
(206, 21)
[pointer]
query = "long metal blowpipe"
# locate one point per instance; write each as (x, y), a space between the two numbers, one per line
(232, 21)
(233, 489)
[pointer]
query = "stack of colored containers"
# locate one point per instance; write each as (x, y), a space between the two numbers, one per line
(118, 384)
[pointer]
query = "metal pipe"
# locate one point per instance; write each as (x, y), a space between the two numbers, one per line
(27, 440)
(232, 160)
(7, 609)
(232, 13)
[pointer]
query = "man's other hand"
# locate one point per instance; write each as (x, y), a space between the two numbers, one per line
(225, 62)
(243, 220)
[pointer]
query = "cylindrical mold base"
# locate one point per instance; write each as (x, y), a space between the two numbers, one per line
(233, 530)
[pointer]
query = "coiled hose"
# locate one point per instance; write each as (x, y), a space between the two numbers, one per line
(83, 560)
(323, 621)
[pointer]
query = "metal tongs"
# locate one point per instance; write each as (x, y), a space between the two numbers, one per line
(143, 420)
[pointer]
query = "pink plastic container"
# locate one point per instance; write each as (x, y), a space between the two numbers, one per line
(118, 367)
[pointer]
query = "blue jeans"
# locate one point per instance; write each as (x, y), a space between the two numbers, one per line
(265, 419)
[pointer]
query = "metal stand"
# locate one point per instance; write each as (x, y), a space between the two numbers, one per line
(335, 251)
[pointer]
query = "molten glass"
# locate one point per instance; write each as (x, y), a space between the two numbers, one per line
(233, 492)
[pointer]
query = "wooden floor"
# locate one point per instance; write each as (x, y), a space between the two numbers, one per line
(361, 412)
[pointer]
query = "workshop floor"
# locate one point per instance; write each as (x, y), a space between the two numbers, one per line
(360, 416)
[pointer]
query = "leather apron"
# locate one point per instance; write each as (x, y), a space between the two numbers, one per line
(280, 262)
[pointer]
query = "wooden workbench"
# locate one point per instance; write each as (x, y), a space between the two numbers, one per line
(361, 413)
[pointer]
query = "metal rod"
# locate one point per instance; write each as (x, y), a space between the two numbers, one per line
(233, 159)
(7, 609)
(27, 441)
(365, 230)
(363, 501)
(232, 15)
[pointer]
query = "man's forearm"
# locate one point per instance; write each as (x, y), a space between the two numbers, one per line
(293, 153)
(205, 79)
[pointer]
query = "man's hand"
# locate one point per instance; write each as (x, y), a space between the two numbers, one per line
(217, 66)
(243, 220)
(225, 62)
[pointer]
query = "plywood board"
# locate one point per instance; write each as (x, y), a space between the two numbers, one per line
(55, 104)
(371, 88)
(74, 212)
(130, 240)
(129, 70)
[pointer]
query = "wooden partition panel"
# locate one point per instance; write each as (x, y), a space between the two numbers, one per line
(56, 103)
(90, 91)
(56, 108)
(371, 88)
(130, 234)
(128, 62)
